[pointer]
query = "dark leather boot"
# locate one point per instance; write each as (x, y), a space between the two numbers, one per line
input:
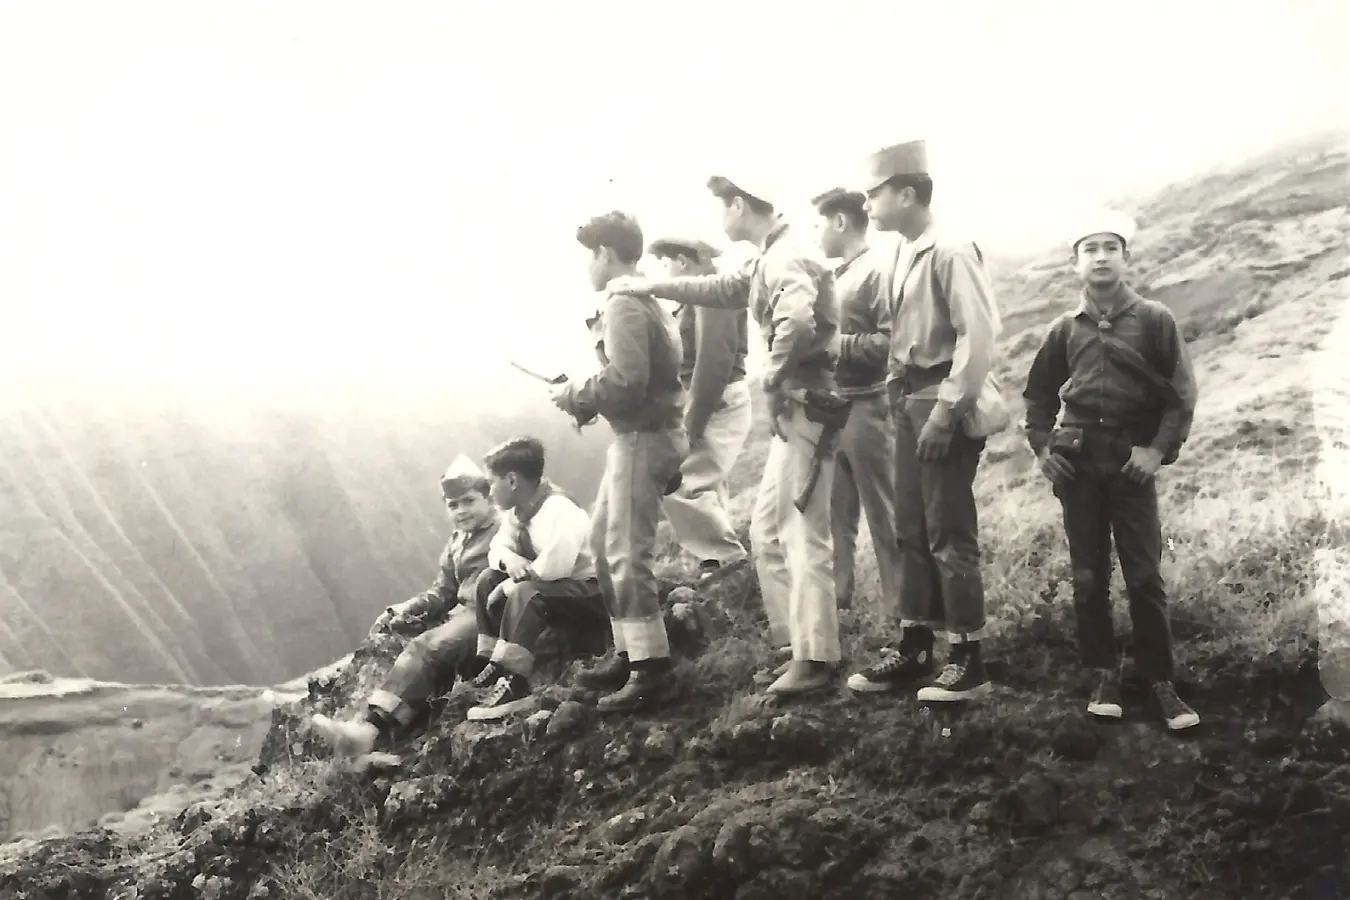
(645, 687)
(607, 675)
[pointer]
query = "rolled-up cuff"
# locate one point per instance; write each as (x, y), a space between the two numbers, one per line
(391, 705)
(513, 658)
(642, 638)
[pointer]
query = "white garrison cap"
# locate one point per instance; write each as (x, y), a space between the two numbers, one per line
(461, 476)
(1104, 221)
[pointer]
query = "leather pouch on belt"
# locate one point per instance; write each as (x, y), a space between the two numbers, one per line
(1067, 441)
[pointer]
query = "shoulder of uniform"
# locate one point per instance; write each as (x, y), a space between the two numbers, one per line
(1156, 310)
(956, 245)
(794, 254)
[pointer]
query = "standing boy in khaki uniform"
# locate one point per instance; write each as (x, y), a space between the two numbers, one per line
(790, 295)
(864, 474)
(942, 355)
(638, 393)
(717, 416)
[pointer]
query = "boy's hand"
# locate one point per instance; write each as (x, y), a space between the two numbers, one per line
(934, 440)
(519, 569)
(1055, 468)
(561, 395)
(393, 618)
(1142, 465)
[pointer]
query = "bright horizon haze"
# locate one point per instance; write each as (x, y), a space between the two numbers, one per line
(295, 198)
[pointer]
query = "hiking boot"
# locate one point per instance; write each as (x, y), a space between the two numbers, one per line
(1175, 712)
(487, 676)
(802, 677)
(509, 696)
(644, 688)
(1105, 702)
(901, 669)
(610, 674)
(962, 678)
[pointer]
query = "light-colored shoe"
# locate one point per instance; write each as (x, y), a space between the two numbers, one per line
(802, 677)
(766, 678)
(352, 738)
(509, 697)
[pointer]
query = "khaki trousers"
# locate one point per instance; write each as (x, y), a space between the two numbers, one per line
(698, 510)
(864, 484)
(638, 466)
(794, 551)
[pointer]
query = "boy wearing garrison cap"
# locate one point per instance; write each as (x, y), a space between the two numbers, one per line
(638, 392)
(945, 403)
(790, 294)
(1118, 367)
(717, 417)
(864, 474)
(446, 649)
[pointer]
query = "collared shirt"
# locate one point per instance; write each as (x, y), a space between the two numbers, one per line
(944, 315)
(864, 326)
(1076, 370)
(715, 343)
(552, 532)
(790, 294)
(464, 558)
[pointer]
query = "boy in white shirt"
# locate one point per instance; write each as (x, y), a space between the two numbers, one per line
(542, 546)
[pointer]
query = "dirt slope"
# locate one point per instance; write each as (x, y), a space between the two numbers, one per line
(1020, 797)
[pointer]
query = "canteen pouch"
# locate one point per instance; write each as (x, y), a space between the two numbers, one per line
(1067, 441)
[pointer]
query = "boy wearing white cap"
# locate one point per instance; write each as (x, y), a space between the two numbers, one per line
(717, 416)
(945, 402)
(446, 649)
(790, 294)
(1118, 367)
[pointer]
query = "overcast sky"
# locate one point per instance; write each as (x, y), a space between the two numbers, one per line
(306, 193)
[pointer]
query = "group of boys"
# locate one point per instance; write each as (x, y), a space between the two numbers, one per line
(880, 389)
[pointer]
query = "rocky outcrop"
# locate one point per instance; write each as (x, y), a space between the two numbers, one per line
(749, 799)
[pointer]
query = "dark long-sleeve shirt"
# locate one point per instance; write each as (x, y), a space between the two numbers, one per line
(463, 560)
(638, 386)
(715, 343)
(791, 296)
(864, 327)
(1076, 369)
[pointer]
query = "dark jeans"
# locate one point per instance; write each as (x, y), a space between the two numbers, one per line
(1098, 503)
(513, 615)
(937, 526)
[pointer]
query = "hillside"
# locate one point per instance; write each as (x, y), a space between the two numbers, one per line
(1020, 797)
(195, 544)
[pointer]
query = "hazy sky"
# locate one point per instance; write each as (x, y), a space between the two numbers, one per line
(250, 191)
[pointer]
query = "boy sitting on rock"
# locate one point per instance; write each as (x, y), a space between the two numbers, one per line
(446, 649)
(542, 547)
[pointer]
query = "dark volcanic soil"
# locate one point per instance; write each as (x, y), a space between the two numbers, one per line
(718, 797)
